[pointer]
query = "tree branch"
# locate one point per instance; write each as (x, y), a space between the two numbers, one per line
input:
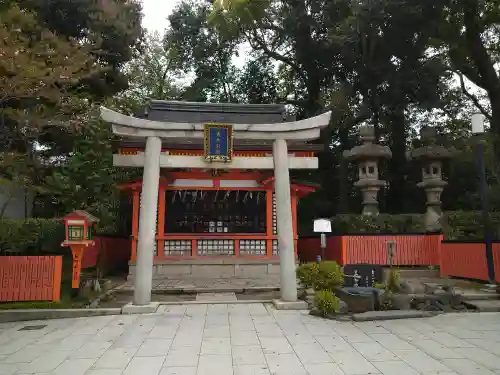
(478, 52)
(472, 97)
(257, 43)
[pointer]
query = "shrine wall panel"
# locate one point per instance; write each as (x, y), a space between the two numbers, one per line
(239, 184)
(192, 183)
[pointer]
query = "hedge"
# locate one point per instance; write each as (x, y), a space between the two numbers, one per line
(468, 225)
(457, 225)
(31, 236)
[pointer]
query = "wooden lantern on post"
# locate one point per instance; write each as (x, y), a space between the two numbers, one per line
(78, 228)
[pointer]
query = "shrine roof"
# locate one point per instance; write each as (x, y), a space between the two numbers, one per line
(192, 112)
(82, 214)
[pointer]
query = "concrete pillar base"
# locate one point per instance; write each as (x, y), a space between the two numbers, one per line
(284, 305)
(131, 309)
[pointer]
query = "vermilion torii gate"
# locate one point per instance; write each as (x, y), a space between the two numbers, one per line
(153, 159)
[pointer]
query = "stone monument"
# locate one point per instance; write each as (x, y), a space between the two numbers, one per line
(431, 156)
(367, 156)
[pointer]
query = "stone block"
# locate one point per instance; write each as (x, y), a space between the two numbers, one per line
(250, 270)
(166, 271)
(130, 309)
(284, 305)
(208, 271)
(131, 272)
(273, 269)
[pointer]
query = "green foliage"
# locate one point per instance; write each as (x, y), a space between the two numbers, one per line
(326, 302)
(393, 281)
(344, 224)
(457, 225)
(88, 179)
(323, 276)
(30, 236)
(307, 273)
(467, 225)
(329, 276)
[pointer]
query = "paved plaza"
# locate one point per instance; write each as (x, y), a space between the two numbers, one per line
(250, 339)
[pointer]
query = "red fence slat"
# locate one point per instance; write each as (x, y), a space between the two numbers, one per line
(30, 278)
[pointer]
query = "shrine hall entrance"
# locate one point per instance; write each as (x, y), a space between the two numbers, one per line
(216, 212)
(229, 222)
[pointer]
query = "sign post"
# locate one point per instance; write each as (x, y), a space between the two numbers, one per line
(322, 226)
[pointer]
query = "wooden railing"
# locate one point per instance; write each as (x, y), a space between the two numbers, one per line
(30, 278)
(454, 258)
(411, 250)
(468, 260)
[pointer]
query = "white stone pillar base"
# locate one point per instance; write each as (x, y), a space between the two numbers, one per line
(284, 221)
(147, 222)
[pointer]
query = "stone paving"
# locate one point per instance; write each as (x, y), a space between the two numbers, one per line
(269, 282)
(251, 339)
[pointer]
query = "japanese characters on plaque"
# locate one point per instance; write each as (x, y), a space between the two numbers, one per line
(218, 143)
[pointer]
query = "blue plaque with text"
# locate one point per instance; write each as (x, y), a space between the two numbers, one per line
(218, 142)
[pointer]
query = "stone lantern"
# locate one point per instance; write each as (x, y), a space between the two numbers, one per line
(367, 156)
(431, 156)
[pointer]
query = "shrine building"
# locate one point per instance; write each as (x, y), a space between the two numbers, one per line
(216, 200)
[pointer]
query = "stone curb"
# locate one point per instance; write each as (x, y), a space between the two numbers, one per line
(8, 316)
(229, 302)
(127, 289)
(393, 315)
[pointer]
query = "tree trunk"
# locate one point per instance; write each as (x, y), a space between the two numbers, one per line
(495, 123)
(398, 164)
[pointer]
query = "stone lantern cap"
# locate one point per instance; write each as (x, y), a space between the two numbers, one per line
(430, 151)
(368, 150)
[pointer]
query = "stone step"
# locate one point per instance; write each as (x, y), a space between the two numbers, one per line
(414, 273)
(484, 305)
(477, 295)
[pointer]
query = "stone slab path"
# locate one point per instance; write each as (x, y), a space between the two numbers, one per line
(251, 339)
(229, 284)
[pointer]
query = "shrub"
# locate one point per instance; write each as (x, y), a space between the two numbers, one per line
(386, 223)
(30, 236)
(326, 302)
(467, 225)
(307, 273)
(323, 276)
(393, 283)
(329, 276)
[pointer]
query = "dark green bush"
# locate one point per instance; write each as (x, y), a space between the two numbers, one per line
(468, 225)
(408, 223)
(30, 236)
(457, 225)
(326, 302)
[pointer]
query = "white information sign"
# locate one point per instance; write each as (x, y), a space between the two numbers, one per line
(322, 226)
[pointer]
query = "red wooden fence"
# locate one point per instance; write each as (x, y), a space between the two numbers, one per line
(30, 278)
(109, 252)
(468, 260)
(411, 250)
(455, 259)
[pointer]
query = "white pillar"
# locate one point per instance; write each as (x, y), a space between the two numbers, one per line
(147, 223)
(285, 222)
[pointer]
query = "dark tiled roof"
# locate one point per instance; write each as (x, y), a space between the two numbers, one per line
(177, 111)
